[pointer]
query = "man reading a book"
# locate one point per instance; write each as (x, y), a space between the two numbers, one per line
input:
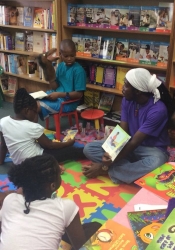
(68, 83)
(146, 111)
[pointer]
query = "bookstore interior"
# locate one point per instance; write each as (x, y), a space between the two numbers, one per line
(110, 39)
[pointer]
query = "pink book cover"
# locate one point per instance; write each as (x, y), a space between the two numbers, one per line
(142, 197)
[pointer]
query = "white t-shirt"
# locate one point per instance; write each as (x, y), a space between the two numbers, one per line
(20, 137)
(41, 229)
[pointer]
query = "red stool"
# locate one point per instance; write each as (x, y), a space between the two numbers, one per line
(94, 114)
(57, 117)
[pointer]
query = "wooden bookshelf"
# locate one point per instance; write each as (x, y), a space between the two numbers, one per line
(104, 89)
(27, 28)
(35, 79)
(19, 52)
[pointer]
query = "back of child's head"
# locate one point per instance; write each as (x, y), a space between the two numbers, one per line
(23, 100)
(67, 44)
(34, 175)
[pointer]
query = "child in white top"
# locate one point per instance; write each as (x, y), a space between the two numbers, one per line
(34, 220)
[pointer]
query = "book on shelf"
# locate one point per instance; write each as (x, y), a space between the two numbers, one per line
(109, 76)
(148, 18)
(165, 237)
(163, 54)
(79, 44)
(1, 20)
(106, 101)
(99, 74)
(38, 94)
(5, 15)
(13, 15)
(91, 46)
(160, 181)
(115, 142)
(80, 15)
(145, 225)
(20, 16)
(89, 15)
(92, 72)
(121, 50)
(134, 51)
(92, 98)
(134, 18)
(149, 51)
(38, 18)
(22, 65)
(111, 235)
(124, 17)
(32, 67)
(20, 41)
(28, 16)
(38, 41)
(121, 72)
(71, 14)
(4, 83)
(114, 116)
(70, 134)
(12, 85)
(13, 63)
(107, 48)
(165, 17)
(29, 40)
(115, 17)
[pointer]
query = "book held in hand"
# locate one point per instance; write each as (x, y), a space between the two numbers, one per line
(70, 134)
(38, 95)
(115, 142)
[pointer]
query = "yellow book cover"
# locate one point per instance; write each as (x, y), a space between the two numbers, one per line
(99, 75)
(92, 98)
(38, 18)
(70, 134)
(121, 72)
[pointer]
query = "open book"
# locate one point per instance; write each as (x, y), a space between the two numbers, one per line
(70, 134)
(115, 142)
(38, 95)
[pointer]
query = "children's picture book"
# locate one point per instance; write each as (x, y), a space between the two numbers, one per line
(19, 41)
(13, 15)
(149, 51)
(89, 15)
(111, 236)
(38, 94)
(121, 50)
(70, 134)
(124, 17)
(163, 54)
(81, 15)
(160, 181)
(71, 15)
(92, 46)
(22, 65)
(109, 77)
(99, 74)
(92, 98)
(107, 48)
(115, 17)
(148, 18)
(28, 16)
(38, 18)
(165, 237)
(165, 15)
(106, 101)
(145, 225)
(134, 18)
(20, 16)
(79, 44)
(92, 72)
(29, 40)
(121, 72)
(134, 51)
(115, 142)
(101, 16)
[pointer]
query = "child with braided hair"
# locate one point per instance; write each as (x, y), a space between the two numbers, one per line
(34, 220)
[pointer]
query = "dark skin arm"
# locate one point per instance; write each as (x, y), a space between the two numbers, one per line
(3, 149)
(73, 95)
(49, 144)
(75, 233)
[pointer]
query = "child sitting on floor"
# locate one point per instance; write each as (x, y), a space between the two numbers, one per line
(68, 83)
(34, 220)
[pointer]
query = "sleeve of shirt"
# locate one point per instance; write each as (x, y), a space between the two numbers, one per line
(80, 80)
(70, 210)
(156, 120)
(124, 115)
(35, 130)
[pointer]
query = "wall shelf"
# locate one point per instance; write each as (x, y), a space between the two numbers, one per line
(35, 79)
(104, 89)
(27, 28)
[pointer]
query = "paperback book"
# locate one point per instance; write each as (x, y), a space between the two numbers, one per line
(134, 51)
(22, 65)
(106, 102)
(92, 98)
(124, 17)
(163, 54)
(149, 51)
(115, 17)
(111, 236)
(121, 50)
(79, 44)
(70, 134)
(109, 76)
(107, 48)
(91, 46)
(165, 238)
(160, 181)
(12, 85)
(101, 16)
(38, 94)
(19, 41)
(148, 18)
(20, 16)
(28, 16)
(115, 142)
(38, 41)
(29, 40)
(99, 74)
(121, 72)
(89, 15)
(38, 18)
(13, 15)
(134, 18)
(165, 16)
(81, 15)
(145, 225)
(71, 15)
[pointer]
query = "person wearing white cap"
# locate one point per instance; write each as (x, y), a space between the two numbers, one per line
(146, 110)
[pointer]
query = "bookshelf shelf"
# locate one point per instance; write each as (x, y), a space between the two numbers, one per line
(104, 89)
(27, 28)
(19, 52)
(121, 63)
(35, 79)
(118, 31)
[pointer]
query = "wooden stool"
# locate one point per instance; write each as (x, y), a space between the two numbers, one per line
(94, 114)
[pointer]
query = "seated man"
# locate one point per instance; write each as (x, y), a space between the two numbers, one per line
(69, 83)
(146, 108)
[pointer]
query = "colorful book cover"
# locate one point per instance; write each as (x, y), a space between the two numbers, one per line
(12, 85)
(91, 46)
(165, 238)
(107, 48)
(115, 142)
(89, 15)
(121, 50)
(115, 17)
(160, 181)
(111, 236)
(149, 51)
(81, 15)
(163, 54)
(4, 83)
(13, 14)
(22, 65)
(20, 17)
(92, 70)
(79, 44)
(105, 16)
(6, 14)
(148, 18)
(124, 17)
(29, 40)
(165, 16)
(28, 16)
(96, 43)
(19, 41)
(99, 75)
(70, 134)
(92, 98)
(98, 16)
(145, 225)
(71, 14)
(64, 246)
(109, 77)
(134, 18)
(38, 18)
(121, 72)
(106, 102)
(134, 51)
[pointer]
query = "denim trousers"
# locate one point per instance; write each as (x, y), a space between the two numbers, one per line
(138, 163)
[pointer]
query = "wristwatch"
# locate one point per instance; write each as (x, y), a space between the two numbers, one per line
(67, 97)
(105, 168)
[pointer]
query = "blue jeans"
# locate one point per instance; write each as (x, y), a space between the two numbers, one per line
(140, 162)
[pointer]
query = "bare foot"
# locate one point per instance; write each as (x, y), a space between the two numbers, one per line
(94, 170)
